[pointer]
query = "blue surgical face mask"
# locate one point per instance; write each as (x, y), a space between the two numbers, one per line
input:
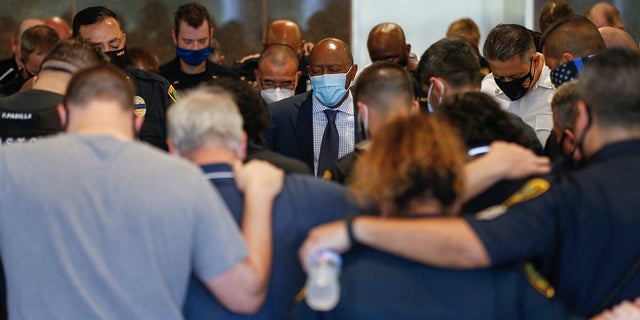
(194, 57)
(329, 88)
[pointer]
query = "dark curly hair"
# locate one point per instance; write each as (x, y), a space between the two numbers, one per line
(411, 158)
(480, 120)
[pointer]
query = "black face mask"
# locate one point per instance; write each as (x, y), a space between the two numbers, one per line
(118, 58)
(580, 142)
(517, 88)
(567, 159)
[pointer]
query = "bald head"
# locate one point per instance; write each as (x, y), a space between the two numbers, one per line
(617, 38)
(387, 43)
(603, 14)
(285, 32)
(384, 86)
(60, 25)
(331, 56)
(331, 51)
(570, 38)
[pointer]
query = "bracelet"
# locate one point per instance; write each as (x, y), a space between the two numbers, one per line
(352, 239)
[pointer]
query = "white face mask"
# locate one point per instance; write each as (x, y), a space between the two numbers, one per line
(275, 94)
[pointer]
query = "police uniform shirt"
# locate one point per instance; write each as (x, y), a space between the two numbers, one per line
(11, 79)
(182, 81)
(341, 169)
(378, 285)
(27, 115)
(584, 229)
(8, 69)
(153, 97)
(419, 94)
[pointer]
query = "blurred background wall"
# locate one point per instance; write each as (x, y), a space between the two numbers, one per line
(239, 24)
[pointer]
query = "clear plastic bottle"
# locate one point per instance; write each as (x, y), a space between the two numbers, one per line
(323, 285)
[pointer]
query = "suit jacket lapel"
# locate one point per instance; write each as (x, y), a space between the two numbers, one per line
(357, 125)
(304, 130)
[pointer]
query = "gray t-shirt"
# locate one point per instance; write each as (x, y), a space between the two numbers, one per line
(92, 227)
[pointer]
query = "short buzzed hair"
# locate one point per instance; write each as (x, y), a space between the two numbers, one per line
(506, 41)
(100, 82)
(279, 55)
(72, 55)
(204, 116)
(381, 84)
(608, 85)
(563, 104)
(575, 35)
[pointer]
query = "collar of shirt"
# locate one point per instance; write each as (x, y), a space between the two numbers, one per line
(346, 106)
(543, 81)
(616, 150)
(545, 78)
(217, 171)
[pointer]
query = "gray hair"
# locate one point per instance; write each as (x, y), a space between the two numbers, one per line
(563, 103)
(608, 84)
(205, 116)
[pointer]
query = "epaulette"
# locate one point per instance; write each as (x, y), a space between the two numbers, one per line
(531, 189)
(537, 281)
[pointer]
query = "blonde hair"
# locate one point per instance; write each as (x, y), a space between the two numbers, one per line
(465, 29)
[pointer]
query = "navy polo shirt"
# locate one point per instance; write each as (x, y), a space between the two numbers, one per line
(585, 230)
(303, 203)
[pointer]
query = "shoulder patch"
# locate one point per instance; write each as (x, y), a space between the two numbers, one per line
(302, 294)
(530, 190)
(538, 282)
(327, 175)
(173, 93)
(140, 106)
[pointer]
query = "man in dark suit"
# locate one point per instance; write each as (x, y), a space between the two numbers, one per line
(306, 126)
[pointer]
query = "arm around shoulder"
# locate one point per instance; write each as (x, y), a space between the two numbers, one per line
(243, 288)
(442, 242)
